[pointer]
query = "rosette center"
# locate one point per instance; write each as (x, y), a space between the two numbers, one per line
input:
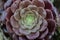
(29, 19)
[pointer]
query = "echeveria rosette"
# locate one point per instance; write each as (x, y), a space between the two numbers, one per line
(30, 19)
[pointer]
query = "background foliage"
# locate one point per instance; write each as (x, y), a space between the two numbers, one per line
(57, 33)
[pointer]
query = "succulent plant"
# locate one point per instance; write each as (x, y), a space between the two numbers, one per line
(30, 19)
(1, 4)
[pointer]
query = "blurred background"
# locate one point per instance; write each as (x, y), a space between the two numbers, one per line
(57, 32)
